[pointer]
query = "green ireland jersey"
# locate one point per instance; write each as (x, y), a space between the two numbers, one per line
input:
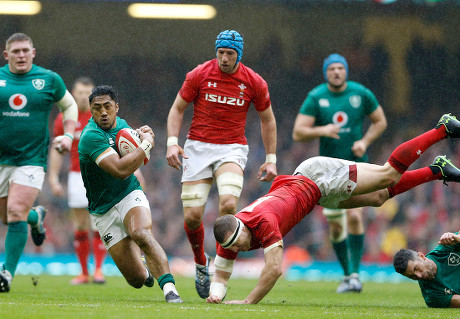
(102, 189)
(347, 109)
(439, 291)
(25, 104)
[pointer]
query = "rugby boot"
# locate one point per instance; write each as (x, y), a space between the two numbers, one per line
(449, 172)
(202, 278)
(451, 124)
(355, 283)
(150, 281)
(344, 286)
(38, 232)
(5, 280)
(98, 277)
(80, 280)
(171, 297)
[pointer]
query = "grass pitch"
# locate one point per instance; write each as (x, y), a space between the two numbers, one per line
(54, 297)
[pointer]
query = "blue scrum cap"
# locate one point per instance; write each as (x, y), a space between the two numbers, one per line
(334, 58)
(231, 39)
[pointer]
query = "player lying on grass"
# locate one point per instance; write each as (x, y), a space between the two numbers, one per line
(437, 273)
(331, 183)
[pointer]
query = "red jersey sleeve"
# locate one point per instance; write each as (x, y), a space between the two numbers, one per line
(262, 98)
(191, 86)
(226, 253)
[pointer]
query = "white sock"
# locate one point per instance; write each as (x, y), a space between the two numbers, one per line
(169, 287)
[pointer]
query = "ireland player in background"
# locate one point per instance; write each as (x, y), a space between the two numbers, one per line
(118, 206)
(27, 94)
(334, 112)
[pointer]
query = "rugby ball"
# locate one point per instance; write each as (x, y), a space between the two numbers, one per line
(127, 140)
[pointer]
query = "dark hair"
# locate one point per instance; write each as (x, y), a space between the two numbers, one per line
(402, 258)
(83, 80)
(104, 90)
(223, 225)
(18, 37)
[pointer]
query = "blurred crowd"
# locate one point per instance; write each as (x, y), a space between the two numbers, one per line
(147, 89)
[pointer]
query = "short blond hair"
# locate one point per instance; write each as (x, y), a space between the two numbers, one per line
(18, 37)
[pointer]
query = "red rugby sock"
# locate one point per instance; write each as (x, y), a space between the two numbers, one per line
(81, 245)
(407, 153)
(196, 239)
(410, 179)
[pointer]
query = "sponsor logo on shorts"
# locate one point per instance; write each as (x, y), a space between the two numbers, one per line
(107, 238)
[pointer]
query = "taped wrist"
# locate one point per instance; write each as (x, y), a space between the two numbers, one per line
(270, 158)
(218, 289)
(146, 147)
(172, 140)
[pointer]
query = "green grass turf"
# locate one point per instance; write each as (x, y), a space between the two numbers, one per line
(54, 297)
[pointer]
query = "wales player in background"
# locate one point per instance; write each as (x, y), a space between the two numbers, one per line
(27, 94)
(118, 206)
(334, 112)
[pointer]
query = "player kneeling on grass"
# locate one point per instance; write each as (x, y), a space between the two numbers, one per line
(118, 206)
(331, 183)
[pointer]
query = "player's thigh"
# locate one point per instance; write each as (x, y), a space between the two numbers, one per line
(20, 201)
(127, 256)
(371, 177)
(138, 219)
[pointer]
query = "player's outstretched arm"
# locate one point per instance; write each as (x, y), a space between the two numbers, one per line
(270, 274)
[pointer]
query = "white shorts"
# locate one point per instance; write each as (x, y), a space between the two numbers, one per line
(32, 176)
(205, 158)
(76, 192)
(335, 178)
(110, 225)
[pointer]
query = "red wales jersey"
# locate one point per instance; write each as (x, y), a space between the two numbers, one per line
(221, 102)
(58, 129)
(272, 216)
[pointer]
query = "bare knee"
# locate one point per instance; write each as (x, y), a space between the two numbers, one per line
(379, 198)
(335, 231)
(16, 213)
(136, 282)
(142, 237)
(227, 205)
(193, 217)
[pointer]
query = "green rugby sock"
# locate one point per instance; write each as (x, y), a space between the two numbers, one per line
(356, 247)
(15, 241)
(341, 250)
(32, 219)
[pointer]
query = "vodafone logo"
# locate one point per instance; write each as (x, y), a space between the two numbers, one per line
(17, 101)
(340, 119)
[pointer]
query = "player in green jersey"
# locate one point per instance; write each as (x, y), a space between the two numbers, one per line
(27, 94)
(118, 206)
(334, 112)
(437, 273)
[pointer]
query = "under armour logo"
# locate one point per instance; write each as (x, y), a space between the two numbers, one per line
(31, 178)
(419, 152)
(348, 188)
(137, 199)
(212, 84)
(107, 238)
